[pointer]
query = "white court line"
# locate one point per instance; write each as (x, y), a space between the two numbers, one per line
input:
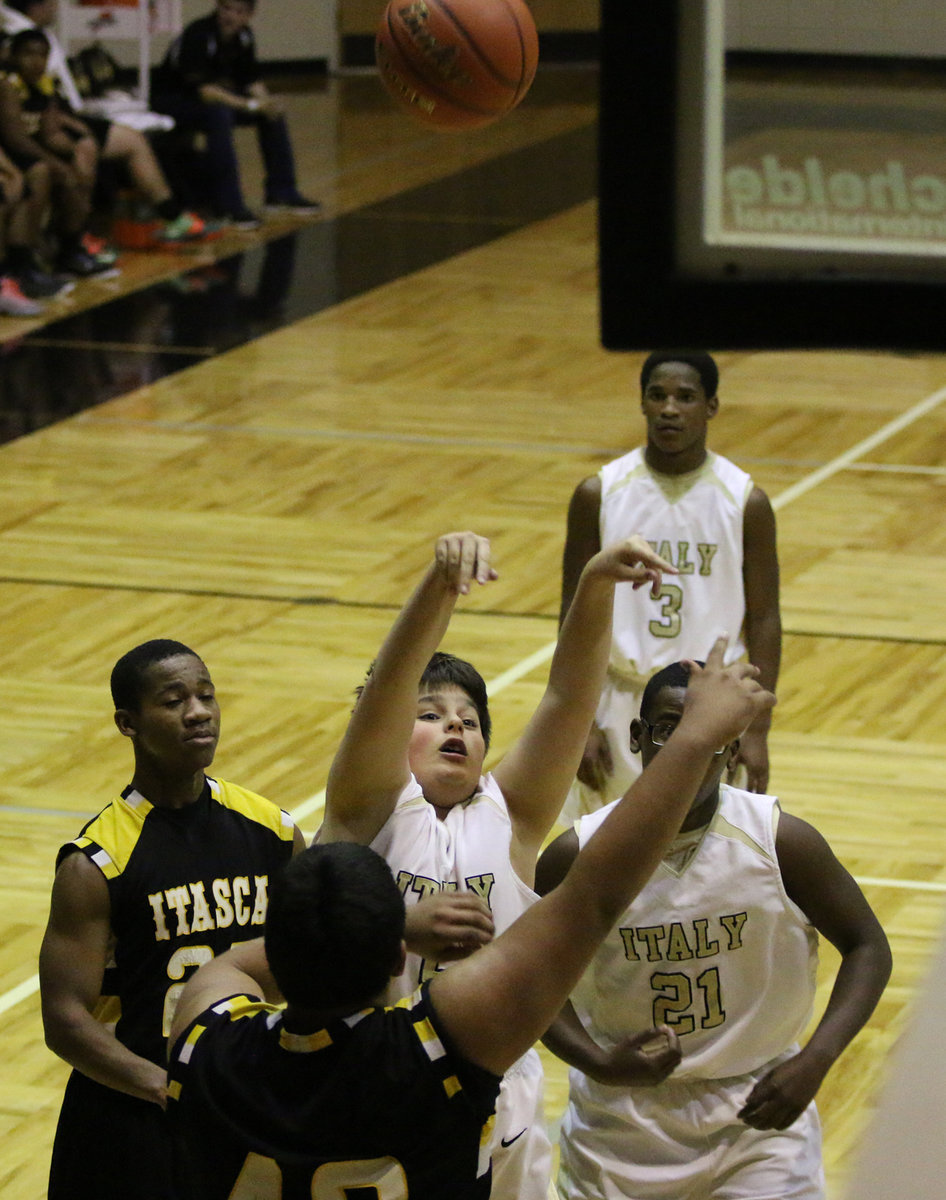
(316, 802)
(22, 991)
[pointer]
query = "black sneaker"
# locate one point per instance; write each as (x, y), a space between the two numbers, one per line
(83, 265)
(244, 221)
(295, 205)
(39, 286)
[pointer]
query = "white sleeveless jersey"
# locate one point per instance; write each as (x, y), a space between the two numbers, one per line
(466, 851)
(713, 948)
(694, 521)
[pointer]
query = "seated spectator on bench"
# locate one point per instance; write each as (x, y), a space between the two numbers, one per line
(210, 81)
(116, 142)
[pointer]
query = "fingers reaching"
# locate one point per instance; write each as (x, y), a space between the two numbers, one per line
(463, 558)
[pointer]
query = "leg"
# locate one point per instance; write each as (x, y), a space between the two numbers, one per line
(134, 149)
(278, 161)
(215, 122)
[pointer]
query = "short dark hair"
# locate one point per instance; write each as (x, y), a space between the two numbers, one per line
(27, 37)
(704, 364)
(334, 926)
(22, 6)
(128, 673)
(676, 675)
(457, 672)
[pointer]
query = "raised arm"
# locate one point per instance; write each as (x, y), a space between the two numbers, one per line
(71, 966)
(646, 1058)
(537, 772)
(496, 1003)
(763, 627)
(582, 538)
(242, 969)
(371, 767)
(836, 906)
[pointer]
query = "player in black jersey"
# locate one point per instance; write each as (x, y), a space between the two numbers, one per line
(338, 1096)
(171, 873)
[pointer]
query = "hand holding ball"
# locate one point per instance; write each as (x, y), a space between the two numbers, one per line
(457, 64)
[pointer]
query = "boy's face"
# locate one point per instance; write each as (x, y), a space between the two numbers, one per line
(660, 722)
(232, 16)
(30, 61)
(447, 748)
(177, 723)
(676, 408)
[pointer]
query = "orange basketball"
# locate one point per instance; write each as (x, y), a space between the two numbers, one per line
(457, 64)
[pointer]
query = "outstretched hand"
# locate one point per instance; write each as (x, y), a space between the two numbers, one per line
(724, 700)
(632, 561)
(462, 558)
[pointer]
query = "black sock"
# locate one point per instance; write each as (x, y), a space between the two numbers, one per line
(19, 259)
(170, 209)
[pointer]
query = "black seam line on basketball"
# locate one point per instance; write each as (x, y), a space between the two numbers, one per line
(471, 45)
(431, 83)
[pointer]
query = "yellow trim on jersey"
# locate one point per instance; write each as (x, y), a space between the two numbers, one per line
(304, 1043)
(429, 1039)
(264, 812)
(187, 1049)
(174, 1089)
(451, 1085)
(119, 825)
(720, 825)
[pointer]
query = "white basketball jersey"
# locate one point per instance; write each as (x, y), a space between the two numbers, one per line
(712, 947)
(468, 850)
(694, 521)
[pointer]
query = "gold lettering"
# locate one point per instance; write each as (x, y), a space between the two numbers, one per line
(707, 552)
(241, 889)
(262, 898)
(201, 918)
(178, 898)
(704, 947)
(677, 945)
(733, 925)
(482, 885)
(683, 564)
(627, 937)
(160, 925)
(224, 912)
(652, 935)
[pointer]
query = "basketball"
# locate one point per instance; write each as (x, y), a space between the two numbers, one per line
(457, 64)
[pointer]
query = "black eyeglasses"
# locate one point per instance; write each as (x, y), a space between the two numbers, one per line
(661, 732)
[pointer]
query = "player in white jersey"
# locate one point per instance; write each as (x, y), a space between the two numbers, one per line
(687, 1078)
(408, 781)
(704, 514)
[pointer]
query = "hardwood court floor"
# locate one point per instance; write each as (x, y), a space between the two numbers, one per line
(272, 504)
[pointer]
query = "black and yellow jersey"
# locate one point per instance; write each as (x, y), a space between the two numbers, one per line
(184, 884)
(376, 1104)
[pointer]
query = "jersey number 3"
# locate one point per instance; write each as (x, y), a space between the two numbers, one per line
(670, 598)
